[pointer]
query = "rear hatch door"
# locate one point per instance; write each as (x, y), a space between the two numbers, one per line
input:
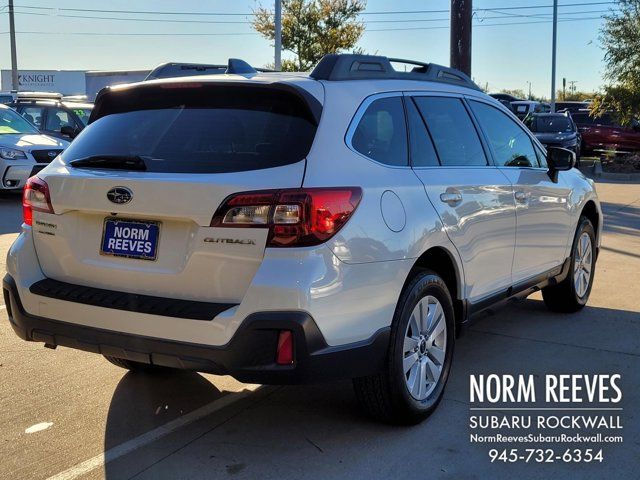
(135, 193)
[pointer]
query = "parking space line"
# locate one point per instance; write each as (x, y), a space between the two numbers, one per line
(153, 435)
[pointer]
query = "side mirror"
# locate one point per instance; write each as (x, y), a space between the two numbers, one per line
(559, 160)
(69, 131)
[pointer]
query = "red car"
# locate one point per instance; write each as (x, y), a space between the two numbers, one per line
(603, 133)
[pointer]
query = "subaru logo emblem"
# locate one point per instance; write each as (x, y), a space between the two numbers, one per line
(120, 195)
(52, 154)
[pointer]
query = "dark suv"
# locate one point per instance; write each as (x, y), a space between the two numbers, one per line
(555, 130)
(604, 133)
(53, 117)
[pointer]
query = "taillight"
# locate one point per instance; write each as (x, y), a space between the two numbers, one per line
(35, 196)
(295, 217)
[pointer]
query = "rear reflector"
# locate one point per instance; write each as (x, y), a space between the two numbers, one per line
(297, 217)
(284, 355)
(35, 196)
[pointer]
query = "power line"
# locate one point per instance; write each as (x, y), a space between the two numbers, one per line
(165, 34)
(247, 22)
(480, 25)
(388, 12)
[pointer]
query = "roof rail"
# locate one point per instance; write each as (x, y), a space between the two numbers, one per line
(336, 67)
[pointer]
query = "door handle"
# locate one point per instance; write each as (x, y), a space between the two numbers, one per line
(451, 197)
(521, 197)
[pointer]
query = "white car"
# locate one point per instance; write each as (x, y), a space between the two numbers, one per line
(24, 151)
(295, 228)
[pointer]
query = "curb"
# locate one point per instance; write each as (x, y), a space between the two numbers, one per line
(595, 171)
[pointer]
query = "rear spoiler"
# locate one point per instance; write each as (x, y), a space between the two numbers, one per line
(121, 98)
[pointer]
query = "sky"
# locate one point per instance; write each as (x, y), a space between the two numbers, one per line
(511, 47)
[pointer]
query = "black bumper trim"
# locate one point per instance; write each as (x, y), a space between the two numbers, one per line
(131, 302)
(249, 356)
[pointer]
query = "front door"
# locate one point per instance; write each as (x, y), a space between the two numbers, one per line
(542, 205)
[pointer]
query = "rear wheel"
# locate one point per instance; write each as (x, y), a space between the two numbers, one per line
(136, 366)
(572, 293)
(419, 358)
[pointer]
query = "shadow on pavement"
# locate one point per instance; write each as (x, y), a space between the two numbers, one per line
(621, 219)
(10, 212)
(142, 402)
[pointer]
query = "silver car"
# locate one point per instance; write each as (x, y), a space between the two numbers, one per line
(24, 151)
(286, 228)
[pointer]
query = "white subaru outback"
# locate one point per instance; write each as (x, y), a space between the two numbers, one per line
(286, 228)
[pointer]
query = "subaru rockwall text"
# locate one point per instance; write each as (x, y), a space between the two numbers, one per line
(285, 228)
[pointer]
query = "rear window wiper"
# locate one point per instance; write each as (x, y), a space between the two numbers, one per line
(111, 162)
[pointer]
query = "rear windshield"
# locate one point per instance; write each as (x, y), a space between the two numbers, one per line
(229, 130)
(550, 124)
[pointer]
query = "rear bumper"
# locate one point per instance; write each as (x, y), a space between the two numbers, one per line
(249, 356)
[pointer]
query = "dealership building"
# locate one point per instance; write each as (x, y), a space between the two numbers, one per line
(70, 82)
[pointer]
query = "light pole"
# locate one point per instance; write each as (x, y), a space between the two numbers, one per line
(529, 97)
(14, 56)
(553, 56)
(278, 35)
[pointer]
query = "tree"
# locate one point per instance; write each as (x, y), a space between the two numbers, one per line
(620, 39)
(577, 96)
(313, 28)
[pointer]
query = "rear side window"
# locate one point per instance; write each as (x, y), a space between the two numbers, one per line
(201, 130)
(454, 135)
(58, 118)
(381, 133)
(511, 146)
(423, 154)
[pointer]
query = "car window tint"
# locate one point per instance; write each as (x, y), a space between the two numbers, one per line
(33, 114)
(381, 133)
(423, 154)
(203, 130)
(511, 145)
(582, 118)
(454, 135)
(58, 118)
(542, 158)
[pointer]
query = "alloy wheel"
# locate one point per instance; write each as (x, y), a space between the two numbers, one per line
(583, 265)
(425, 344)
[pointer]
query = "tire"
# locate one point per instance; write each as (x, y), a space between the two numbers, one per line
(571, 295)
(386, 396)
(137, 366)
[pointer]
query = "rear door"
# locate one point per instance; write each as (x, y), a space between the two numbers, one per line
(473, 198)
(143, 225)
(542, 207)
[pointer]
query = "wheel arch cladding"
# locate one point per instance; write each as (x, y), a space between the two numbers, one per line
(591, 212)
(441, 261)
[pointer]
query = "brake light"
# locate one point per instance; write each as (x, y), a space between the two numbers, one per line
(295, 217)
(35, 196)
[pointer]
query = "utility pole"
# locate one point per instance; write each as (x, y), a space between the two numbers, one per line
(529, 97)
(564, 88)
(278, 35)
(14, 56)
(460, 48)
(553, 56)
(572, 86)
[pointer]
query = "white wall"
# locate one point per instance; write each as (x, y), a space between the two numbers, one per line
(70, 82)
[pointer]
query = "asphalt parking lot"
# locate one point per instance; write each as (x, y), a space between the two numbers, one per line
(90, 419)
